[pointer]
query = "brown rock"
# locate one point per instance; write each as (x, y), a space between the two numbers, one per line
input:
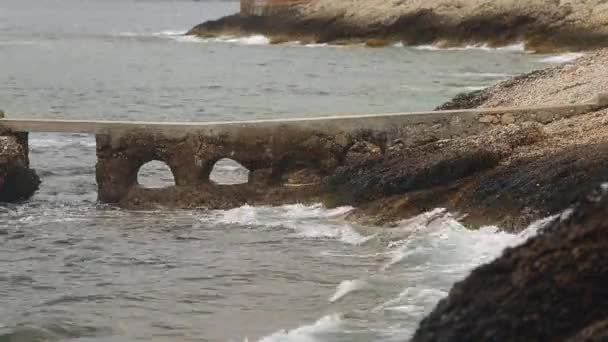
(488, 119)
(17, 181)
(507, 119)
(361, 151)
(552, 288)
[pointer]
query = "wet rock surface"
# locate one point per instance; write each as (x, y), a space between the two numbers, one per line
(538, 169)
(552, 288)
(17, 181)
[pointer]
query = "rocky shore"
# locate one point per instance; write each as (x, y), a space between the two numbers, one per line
(17, 181)
(509, 176)
(552, 288)
(542, 25)
(498, 169)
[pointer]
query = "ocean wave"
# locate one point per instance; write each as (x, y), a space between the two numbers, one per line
(346, 287)
(563, 58)
(519, 47)
(180, 36)
(307, 333)
(250, 40)
(305, 221)
(166, 33)
(169, 33)
(483, 75)
(474, 88)
(317, 45)
(442, 231)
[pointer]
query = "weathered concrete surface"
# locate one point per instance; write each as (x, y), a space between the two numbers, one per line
(17, 181)
(277, 153)
(270, 155)
(552, 288)
(542, 25)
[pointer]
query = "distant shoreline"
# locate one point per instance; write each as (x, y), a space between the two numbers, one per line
(539, 30)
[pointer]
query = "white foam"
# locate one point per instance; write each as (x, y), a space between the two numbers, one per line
(316, 45)
(307, 333)
(341, 232)
(310, 222)
(474, 88)
(188, 39)
(563, 58)
(250, 40)
(128, 34)
(170, 33)
(166, 33)
(450, 251)
(346, 287)
(519, 47)
(483, 75)
(422, 258)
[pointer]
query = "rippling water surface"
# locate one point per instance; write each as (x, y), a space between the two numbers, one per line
(71, 269)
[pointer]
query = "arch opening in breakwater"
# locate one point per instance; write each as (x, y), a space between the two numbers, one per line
(155, 174)
(286, 160)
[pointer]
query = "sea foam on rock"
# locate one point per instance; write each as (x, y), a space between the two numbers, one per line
(551, 288)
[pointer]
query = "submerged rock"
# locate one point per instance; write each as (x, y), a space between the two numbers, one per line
(551, 288)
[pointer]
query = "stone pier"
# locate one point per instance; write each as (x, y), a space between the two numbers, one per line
(287, 159)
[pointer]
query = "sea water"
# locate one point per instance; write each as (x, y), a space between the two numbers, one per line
(72, 269)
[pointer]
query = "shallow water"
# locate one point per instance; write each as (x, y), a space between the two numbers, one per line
(71, 269)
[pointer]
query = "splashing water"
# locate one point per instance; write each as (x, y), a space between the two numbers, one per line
(421, 259)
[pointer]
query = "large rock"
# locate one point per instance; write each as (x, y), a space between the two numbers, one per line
(542, 25)
(552, 288)
(17, 181)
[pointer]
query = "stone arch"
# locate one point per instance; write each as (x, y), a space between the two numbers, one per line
(226, 171)
(155, 174)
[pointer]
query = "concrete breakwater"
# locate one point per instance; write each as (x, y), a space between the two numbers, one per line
(294, 160)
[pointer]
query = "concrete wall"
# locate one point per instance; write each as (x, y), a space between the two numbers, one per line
(278, 153)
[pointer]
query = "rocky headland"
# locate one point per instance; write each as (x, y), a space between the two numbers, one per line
(542, 25)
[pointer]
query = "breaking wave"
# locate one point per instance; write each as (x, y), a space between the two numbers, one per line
(180, 36)
(422, 258)
(563, 58)
(519, 47)
(311, 222)
(307, 333)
